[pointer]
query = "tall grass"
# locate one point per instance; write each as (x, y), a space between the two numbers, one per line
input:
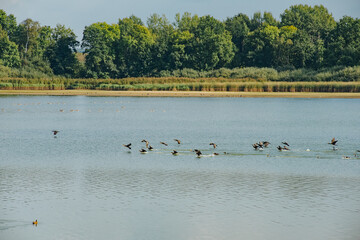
(178, 84)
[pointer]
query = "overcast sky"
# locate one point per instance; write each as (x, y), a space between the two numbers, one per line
(76, 14)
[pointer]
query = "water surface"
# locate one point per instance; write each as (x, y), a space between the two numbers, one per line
(84, 184)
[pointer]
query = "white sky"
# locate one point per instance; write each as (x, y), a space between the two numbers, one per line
(76, 14)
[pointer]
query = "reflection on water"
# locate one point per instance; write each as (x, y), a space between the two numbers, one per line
(85, 185)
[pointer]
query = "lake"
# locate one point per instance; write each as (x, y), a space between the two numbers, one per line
(84, 184)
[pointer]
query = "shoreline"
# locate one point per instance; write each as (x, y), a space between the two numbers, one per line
(104, 93)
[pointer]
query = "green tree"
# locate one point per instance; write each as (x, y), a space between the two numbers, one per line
(261, 45)
(238, 26)
(9, 55)
(163, 33)
(99, 42)
(210, 46)
(133, 48)
(315, 21)
(8, 24)
(61, 52)
(344, 43)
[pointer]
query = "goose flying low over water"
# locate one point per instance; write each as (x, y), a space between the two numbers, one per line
(213, 144)
(198, 152)
(177, 140)
(164, 143)
(266, 143)
(150, 148)
(143, 151)
(127, 145)
(333, 142)
(146, 142)
(285, 143)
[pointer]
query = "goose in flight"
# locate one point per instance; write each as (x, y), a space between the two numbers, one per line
(127, 145)
(143, 151)
(213, 144)
(177, 140)
(333, 142)
(164, 143)
(146, 142)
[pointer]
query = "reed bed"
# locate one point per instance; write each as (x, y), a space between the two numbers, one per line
(177, 84)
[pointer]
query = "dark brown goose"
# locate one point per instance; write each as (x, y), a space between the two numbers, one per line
(146, 142)
(213, 144)
(177, 140)
(164, 143)
(285, 143)
(333, 142)
(143, 151)
(127, 145)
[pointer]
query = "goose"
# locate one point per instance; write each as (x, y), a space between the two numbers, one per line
(146, 142)
(164, 143)
(150, 148)
(279, 148)
(286, 148)
(266, 143)
(285, 143)
(174, 152)
(55, 132)
(255, 146)
(143, 151)
(213, 144)
(333, 142)
(35, 222)
(177, 140)
(127, 145)
(198, 152)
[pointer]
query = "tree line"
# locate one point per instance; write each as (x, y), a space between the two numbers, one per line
(305, 37)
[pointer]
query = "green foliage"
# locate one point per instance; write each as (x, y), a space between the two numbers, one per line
(297, 48)
(9, 55)
(99, 43)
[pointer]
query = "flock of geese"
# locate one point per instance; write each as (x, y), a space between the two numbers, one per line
(257, 146)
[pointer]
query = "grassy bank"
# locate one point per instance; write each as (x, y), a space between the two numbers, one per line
(178, 84)
(104, 93)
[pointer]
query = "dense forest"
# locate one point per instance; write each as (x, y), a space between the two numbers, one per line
(305, 42)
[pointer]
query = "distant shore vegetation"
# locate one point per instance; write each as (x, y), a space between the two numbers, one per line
(241, 53)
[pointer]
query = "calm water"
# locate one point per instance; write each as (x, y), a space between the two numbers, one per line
(85, 185)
